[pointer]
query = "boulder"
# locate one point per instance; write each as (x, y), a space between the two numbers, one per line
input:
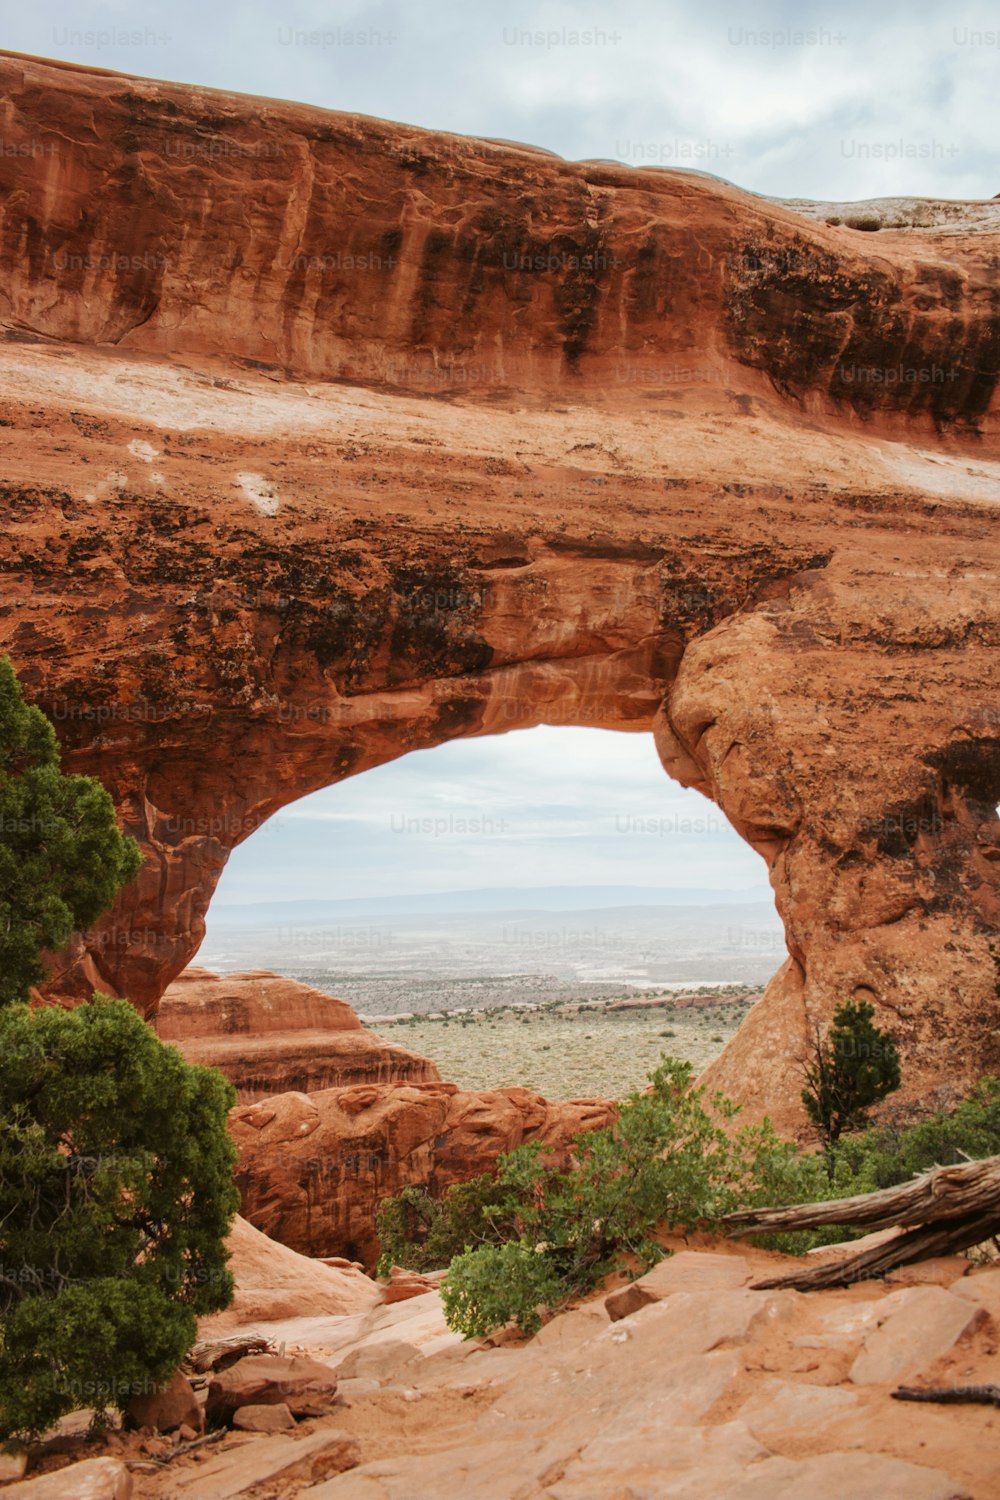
(304, 1385)
(94, 1479)
(13, 1462)
(168, 1409)
(405, 1284)
(263, 1418)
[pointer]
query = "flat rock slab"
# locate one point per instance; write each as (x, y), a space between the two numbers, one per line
(916, 1326)
(780, 1408)
(310, 1458)
(94, 1479)
(688, 1271)
(639, 1462)
(831, 1476)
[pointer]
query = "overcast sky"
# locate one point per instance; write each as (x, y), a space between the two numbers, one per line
(536, 807)
(797, 99)
(809, 100)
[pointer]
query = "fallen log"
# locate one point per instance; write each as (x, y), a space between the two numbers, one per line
(218, 1354)
(987, 1395)
(947, 1210)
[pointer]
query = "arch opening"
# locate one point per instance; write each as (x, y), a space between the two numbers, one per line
(544, 908)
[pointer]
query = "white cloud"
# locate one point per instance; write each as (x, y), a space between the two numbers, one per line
(893, 74)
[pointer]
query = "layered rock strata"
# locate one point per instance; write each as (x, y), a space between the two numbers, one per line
(269, 1035)
(349, 439)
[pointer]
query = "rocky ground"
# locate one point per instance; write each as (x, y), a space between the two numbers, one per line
(707, 1389)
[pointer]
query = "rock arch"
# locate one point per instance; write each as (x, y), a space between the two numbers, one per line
(268, 523)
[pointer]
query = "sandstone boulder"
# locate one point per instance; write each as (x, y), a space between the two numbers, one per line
(269, 1035)
(263, 1418)
(405, 1284)
(13, 1462)
(304, 1385)
(94, 1479)
(167, 1410)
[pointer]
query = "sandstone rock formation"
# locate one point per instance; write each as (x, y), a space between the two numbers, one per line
(176, 1405)
(274, 1282)
(94, 1479)
(328, 439)
(304, 1386)
(269, 1035)
(704, 1388)
(313, 1168)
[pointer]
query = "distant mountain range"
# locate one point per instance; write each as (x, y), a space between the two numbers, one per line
(485, 901)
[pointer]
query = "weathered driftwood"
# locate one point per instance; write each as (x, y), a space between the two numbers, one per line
(945, 1211)
(216, 1354)
(987, 1395)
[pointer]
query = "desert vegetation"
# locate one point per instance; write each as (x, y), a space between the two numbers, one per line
(116, 1185)
(593, 1048)
(532, 1236)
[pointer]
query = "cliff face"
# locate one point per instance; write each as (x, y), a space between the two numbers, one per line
(269, 1034)
(165, 218)
(326, 439)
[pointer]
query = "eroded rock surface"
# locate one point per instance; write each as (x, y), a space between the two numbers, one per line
(269, 1035)
(320, 453)
(274, 1282)
(313, 1168)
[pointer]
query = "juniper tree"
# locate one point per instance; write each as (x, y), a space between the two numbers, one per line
(116, 1193)
(116, 1187)
(62, 856)
(854, 1067)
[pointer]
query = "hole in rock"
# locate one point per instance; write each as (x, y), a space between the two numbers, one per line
(544, 907)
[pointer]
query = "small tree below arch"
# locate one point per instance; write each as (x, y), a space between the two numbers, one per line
(852, 1068)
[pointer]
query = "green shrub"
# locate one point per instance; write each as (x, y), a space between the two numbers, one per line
(867, 222)
(62, 856)
(424, 1233)
(542, 1234)
(886, 1155)
(487, 1287)
(854, 1067)
(116, 1193)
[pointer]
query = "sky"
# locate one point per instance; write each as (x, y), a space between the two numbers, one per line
(535, 807)
(798, 100)
(803, 100)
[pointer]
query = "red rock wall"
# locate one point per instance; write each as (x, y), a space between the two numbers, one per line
(635, 491)
(314, 1168)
